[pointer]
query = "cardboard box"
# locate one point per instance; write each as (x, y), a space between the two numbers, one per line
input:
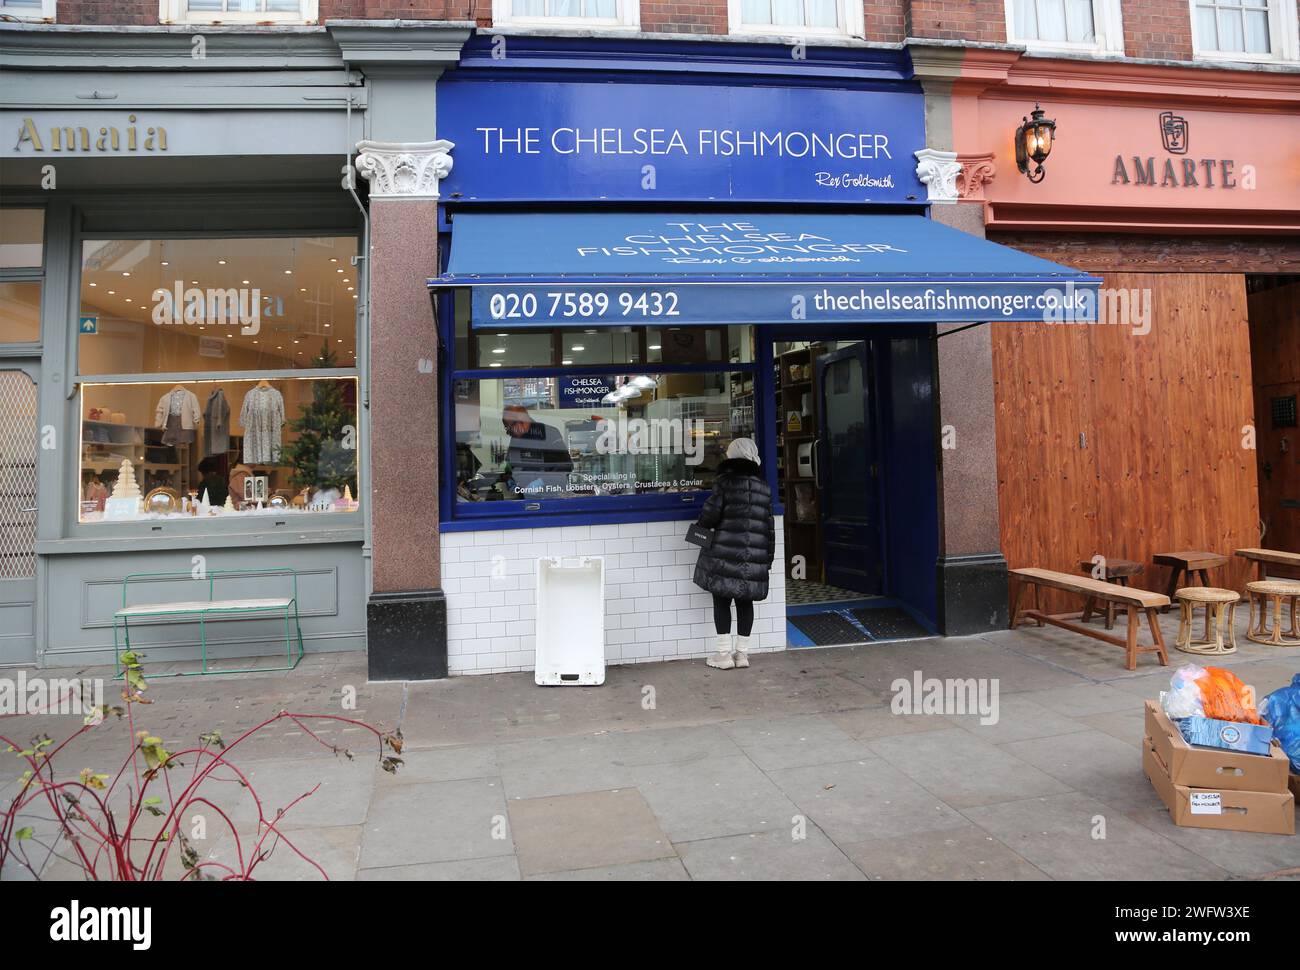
(1271, 813)
(1213, 768)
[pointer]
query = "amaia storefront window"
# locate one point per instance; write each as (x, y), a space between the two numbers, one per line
(601, 419)
(218, 379)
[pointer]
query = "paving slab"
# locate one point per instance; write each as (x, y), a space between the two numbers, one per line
(1094, 763)
(774, 855)
(604, 828)
(1055, 833)
(712, 797)
(656, 870)
(964, 770)
(341, 793)
(1241, 853)
(965, 853)
(562, 766)
(1018, 718)
(335, 849)
(440, 821)
(494, 869)
(856, 801)
(789, 742)
(1083, 699)
(457, 763)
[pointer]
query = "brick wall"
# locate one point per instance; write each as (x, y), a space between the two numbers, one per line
(978, 20)
(653, 611)
(1159, 29)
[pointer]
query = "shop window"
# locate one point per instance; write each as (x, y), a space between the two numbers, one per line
(598, 13)
(598, 346)
(589, 435)
(28, 9)
(842, 17)
(218, 378)
(22, 238)
(238, 11)
(1245, 30)
(1065, 25)
(162, 306)
(20, 312)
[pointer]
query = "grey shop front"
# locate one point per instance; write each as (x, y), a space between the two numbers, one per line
(184, 328)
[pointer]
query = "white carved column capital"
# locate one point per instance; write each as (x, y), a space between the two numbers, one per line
(938, 171)
(404, 170)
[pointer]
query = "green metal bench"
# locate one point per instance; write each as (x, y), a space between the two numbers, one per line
(211, 608)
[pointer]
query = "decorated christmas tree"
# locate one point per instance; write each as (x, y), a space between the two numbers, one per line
(323, 453)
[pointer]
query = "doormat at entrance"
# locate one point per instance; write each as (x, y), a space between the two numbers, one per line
(828, 629)
(889, 623)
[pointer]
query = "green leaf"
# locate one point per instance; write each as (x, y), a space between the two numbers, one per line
(24, 833)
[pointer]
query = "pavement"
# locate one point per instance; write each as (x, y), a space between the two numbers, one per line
(793, 769)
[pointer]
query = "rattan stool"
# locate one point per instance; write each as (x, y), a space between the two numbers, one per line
(1216, 618)
(1274, 592)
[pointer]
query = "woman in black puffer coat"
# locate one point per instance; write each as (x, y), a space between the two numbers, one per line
(736, 565)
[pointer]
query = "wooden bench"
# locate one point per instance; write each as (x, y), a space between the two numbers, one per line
(1260, 559)
(1133, 601)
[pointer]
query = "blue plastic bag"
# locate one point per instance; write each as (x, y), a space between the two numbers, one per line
(1281, 709)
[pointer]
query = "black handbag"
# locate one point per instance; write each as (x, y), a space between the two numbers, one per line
(698, 535)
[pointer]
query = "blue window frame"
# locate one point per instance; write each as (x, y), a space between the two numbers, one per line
(538, 510)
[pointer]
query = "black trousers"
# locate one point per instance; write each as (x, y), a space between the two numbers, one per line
(722, 615)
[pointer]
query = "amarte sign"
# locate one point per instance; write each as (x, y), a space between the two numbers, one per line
(1179, 167)
(550, 140)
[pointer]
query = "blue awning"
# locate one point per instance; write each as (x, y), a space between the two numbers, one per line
(546, 269)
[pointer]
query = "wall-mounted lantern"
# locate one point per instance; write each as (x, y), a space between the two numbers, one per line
(1034, 143)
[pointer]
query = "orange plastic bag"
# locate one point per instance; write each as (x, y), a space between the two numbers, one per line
(1226, 697)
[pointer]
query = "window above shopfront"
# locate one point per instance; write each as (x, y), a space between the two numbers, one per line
(42, 10)
(613, 14)
(815, 17)
(238, 11)
(1245, 30)
(1085, 26)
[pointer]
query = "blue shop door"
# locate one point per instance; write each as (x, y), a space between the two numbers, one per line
(849, 471)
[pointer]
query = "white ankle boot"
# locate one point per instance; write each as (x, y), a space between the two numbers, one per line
(741, 658)
(722, 656)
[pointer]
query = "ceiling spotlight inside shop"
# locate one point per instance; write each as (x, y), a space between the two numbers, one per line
(288, 272)
(245, 282)
(349, 289)
(498, 350)
(333, 259)
(221, 262)
(339, 270)
(654, 347)
(566, 361)
(302, 289)
(125, 273)
(94, 284)
(165, 263)
(496, 363)
(112, 292)
(578, 348)
(1034, 143)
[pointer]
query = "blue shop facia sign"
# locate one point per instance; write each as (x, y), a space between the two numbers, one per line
(584, 141)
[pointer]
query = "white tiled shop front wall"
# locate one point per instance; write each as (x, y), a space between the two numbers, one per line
(653, 610)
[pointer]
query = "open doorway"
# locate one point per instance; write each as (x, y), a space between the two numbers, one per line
(838, 468)
(1273, 303)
